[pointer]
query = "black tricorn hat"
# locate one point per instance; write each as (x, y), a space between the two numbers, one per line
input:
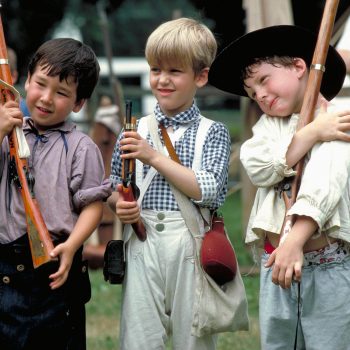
(281, 40)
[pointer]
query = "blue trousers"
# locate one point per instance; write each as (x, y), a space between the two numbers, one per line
(31, 314)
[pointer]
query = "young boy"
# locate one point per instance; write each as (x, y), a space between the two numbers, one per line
(271, 67)
(44, 307)
(159, 286)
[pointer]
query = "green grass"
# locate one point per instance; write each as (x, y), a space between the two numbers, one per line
(103, 310)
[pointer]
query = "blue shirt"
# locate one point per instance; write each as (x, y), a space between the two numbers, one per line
(213, 176)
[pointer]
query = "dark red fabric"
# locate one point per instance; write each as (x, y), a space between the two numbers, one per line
(269, 248)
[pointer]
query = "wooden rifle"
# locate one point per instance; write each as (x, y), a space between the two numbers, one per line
(290, 186)
(39, 237)
(130, 190)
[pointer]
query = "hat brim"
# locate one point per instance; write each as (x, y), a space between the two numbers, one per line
(283, 40)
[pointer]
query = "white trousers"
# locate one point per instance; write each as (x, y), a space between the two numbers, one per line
(159, 287)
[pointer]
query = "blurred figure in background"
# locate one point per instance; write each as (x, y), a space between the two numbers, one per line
(12, 57)
(104, 132)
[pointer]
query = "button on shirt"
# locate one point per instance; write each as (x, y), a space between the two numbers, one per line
(212, 178)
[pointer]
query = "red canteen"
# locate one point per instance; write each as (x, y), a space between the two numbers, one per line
(217, 255)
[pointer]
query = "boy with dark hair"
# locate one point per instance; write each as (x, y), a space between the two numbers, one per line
(271, 66)
(44, 307)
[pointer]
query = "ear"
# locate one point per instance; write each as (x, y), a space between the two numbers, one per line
(26, 84)
(300, 67)
(78, 105)
(202, 77)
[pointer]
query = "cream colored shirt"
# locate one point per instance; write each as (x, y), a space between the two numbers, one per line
(324, 194)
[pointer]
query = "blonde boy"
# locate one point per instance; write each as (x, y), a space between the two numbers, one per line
(159, 286)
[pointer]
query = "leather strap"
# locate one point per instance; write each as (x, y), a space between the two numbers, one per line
(173, 155)
(168, 144)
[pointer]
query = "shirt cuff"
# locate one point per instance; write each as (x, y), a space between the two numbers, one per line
(208, 187)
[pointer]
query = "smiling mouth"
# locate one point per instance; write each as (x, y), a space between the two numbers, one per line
(44, 110)
(272, 103)
(166, 91)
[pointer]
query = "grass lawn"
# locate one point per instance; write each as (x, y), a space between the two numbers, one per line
(104, 308)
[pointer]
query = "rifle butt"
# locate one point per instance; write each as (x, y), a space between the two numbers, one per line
(39, 237)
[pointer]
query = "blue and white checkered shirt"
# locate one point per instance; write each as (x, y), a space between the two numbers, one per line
(212, 178)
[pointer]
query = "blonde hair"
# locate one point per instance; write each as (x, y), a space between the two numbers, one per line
(185, 41)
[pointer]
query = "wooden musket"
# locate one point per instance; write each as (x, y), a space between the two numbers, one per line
(39, 237)
(130, 190)
(290, 189)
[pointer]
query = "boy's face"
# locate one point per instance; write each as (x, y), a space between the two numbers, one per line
(50, 100)
(277, 89)
(175, 87)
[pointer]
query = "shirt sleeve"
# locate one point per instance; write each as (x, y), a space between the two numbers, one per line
(88, 183)
(323, 183)
(116, 164)
(212, 178)
(264, 155)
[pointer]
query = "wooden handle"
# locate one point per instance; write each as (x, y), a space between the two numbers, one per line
(39, 237)
(128, 171)
(310, 99)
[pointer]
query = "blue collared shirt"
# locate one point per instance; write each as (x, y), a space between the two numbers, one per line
(212, 178)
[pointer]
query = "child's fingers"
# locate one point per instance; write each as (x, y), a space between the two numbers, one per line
(297, 272)
(270, 261)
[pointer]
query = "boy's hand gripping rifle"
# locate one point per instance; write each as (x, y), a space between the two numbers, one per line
(39, 237)
(290, 186)
(130, 190)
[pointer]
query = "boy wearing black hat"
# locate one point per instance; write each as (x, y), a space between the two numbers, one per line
(270, 66)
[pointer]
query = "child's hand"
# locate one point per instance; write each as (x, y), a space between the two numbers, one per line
(136, 147)
(10, 116)
(128, 212)
(65, 254)
(288, 262)
(331, 126)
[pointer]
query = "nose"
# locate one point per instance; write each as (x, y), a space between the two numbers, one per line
(163, 78)
(46, 97)
(260, 95)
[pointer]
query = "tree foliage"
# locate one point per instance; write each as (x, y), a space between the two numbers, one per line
(28, 23)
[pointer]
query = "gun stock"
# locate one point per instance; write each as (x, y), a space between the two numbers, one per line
(130, 190)
(291, 188)
(39, 237)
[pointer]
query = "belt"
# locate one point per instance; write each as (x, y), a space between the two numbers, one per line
(16, 251)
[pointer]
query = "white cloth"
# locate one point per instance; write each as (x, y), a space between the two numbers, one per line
(158, 287)
(344, 42)
(108, 116)
(324, 193)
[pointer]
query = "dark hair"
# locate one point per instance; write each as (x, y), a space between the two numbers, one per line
(67, 57)
(249, 69)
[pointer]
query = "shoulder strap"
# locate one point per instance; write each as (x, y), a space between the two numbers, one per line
(142, 129)
(203, 128)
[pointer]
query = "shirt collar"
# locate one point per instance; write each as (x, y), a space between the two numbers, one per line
(177, 120)
(66, 126)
